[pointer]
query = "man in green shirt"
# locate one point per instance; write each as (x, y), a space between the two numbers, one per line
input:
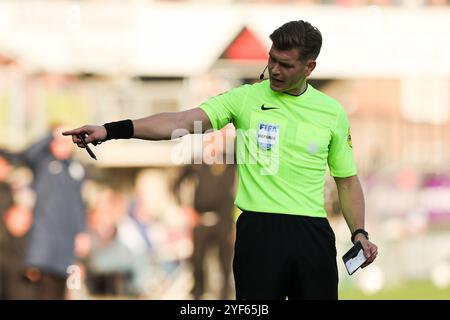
(287, 133)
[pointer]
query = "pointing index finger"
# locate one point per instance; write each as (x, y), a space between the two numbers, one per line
(72, 132)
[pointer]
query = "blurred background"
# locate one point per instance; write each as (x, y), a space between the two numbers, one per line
(145, 228)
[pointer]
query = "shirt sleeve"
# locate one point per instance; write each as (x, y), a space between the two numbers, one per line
(36, 152)
(340, 156)
(225, 108)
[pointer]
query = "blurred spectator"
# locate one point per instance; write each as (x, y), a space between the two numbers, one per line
(438, 3)
(6, 195)
(134, 231)
(14, 227)
(381, 3)
(59, 213)
(350, 3)
(15, 222)
(118, 263)
(214, 203)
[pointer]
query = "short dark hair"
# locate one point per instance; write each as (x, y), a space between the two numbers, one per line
(300, 35)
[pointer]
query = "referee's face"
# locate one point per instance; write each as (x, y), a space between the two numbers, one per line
(287, 72)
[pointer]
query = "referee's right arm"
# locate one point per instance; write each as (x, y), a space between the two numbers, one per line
(160, 126)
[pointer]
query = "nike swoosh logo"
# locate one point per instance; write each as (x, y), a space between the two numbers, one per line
(268, 108)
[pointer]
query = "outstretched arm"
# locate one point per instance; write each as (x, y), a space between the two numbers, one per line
(30, 156)
(161, 126)
(351, 198)
(36, 151)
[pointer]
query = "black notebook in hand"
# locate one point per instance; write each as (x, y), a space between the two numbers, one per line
(354, 258)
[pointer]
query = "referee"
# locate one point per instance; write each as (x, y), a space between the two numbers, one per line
(287, 133)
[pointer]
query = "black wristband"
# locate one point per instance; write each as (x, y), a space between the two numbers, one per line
(119, 130)
(357, 231)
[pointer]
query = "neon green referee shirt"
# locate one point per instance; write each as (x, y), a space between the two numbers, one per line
(283, 145)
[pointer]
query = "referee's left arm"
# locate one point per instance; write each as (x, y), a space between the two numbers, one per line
(351, 198)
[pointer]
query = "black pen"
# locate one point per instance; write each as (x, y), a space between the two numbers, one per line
(87, 147)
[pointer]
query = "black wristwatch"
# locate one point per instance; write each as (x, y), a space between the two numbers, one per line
(364, 232)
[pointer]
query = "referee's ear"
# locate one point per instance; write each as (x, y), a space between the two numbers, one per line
(309, 67)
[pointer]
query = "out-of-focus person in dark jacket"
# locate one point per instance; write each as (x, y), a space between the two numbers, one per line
(213, 204)
(59, 213)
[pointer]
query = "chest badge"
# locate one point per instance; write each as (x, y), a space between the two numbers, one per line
(268, 135)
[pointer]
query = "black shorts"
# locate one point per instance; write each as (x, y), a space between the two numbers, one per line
(279, 256)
